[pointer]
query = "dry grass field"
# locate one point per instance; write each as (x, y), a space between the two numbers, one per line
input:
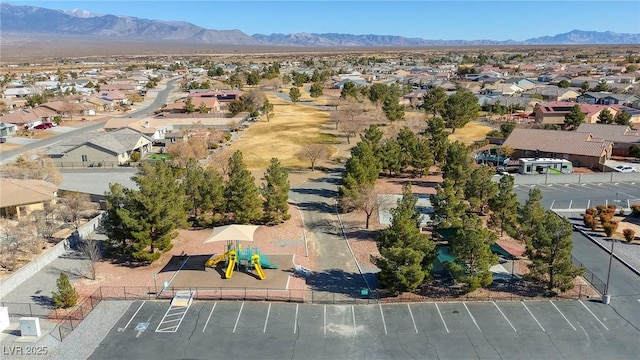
(470, 133)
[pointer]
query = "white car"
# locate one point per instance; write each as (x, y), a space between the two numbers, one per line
(625, 168)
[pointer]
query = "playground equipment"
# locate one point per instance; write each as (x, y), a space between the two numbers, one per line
(249, 257)
(255, 261)
(232, 264)
(214, 261)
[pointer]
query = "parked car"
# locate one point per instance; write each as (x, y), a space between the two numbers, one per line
(44, 126)
(625, 168)
(3, 140)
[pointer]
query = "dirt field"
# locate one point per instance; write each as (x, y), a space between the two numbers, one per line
(470, 133)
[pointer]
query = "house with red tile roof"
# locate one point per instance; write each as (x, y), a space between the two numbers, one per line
(554, 112)
(582, 149)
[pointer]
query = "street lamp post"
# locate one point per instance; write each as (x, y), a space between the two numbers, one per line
(606, 298)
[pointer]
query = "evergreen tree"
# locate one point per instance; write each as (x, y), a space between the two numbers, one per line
(574, 118)
(188, 106)
(378, 92)
(605, 117)
(531, 214)
(434, 100)
(473, 257)
(439, 138)
(480, 188)
(315, 90)
(158, 210)
(408, 143)
(422, 156)
(549, 249)
(118, 205)
(294, 95)
(362, 168)
(622, 118)
(66, 296)
(406, 255)
(504, 207)
(212, 191)
(458, 164)
(241, 193)
(276, 193)
(373, 135)
(349, 90)
(194, 177)
(460, 108)
(391, 156)
(448, 205)
(392, 109)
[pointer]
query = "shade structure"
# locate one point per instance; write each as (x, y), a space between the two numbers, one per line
(232, 232)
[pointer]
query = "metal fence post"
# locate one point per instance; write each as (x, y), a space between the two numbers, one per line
(124, 289)
(30, 310)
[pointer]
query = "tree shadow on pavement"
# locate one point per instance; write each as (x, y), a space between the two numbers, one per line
(336, 285)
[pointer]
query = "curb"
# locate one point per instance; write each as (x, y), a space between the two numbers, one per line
(636, 271)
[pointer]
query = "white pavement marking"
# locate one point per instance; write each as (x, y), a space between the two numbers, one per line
(134, 315)
(569, 322)
(325, 319)
(505, 316)
(441, 318)
(295, 320)
(209, 318)
(551, 207)
(172, 325)
(384, 323)
(264, 330)
(412, 319)
(588, 204)
(353, 313)
(471, 315)
(238, 318)
(570, 203)
(530, 313)
(594, 315)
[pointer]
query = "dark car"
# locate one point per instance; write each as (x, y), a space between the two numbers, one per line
(3, 140)
(44, 126)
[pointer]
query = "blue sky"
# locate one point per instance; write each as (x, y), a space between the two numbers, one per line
(453, 19)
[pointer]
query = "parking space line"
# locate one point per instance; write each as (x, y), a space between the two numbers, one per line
(172, 325)
(295, 320)
(134, 315)
(553, 202)
(569, 322)
(530, 313)
(383, 322)
(238, 318)
(264, 330)
(209, 318)
(504, 316)
(594, 315)
(325, 319)
(412, 319)
(353, 313)
(442, 318)
(471, 315)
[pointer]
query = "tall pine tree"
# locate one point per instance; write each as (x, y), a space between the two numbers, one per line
(276, 193)
(471, 248)
(241, 193)
(504, 207)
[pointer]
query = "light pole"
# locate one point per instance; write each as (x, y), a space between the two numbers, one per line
(606, 298)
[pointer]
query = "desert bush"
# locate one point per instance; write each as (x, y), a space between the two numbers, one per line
(610, 228)
(591, 211)
(588, 220)
(629, 234)
(135, 156)
(600, 208)
(635, 210)
(606, 216)
(612, 208)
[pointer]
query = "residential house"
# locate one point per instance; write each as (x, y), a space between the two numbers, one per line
(211, 103)
(20, 197)
(607, 98)
(155, 129)
(358, 82)
(582, 149)
(522, 83)
(552, 93)
(17, 92)
(621, 136)
(114, 96)
(99, 105)
(28, 118)
(554, 112)
(105, 148)
(68, 108)
(502, 89)
(7, 129)
(222, 96)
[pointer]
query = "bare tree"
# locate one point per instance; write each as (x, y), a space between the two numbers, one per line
(349, 112)
(92, 252)
(18, 240)
(195, 147)
(36, 166)
(366, 199)
(313, 153)
(46, 221)
(351, 128)
(74, 205)
(233, 125)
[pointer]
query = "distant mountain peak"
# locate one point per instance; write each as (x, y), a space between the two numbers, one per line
(79, 13)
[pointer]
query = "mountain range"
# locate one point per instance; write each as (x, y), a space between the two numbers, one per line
(37, 20)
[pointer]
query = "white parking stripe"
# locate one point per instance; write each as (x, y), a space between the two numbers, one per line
(471, 315)
(295, 320)
(504, 316)
(530, 313)
(384, 323)
(569, 322)
(594, 315)
(442, 318)
(264, 330)
(134, 315)
(325, 319)
(412, 319)
(209, 318)
(353, 313)
(238, 318)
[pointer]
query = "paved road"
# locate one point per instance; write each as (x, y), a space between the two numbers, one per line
(581, 196)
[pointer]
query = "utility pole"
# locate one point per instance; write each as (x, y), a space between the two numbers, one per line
(606, 298)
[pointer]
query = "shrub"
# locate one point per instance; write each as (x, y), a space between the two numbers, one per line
(612, 208)
(588, 220)
(635, 210)
(606, 216)
(600, 208)
(610, 228)
(66, 296)
(591, 211)
(135, 156)
(629, 234)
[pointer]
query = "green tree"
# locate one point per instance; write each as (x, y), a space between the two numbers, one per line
(188, 106)
(316, 90)
(458, 163)
(378, 92)
(438, 138)
(622, 118)
(158, 210)
(193, 179)
(506, 129)
(202, 109)
(634, 151)
(563, 84)
(406, 255)
(460, 108)
(236, 106)
(480, 188)
(422, 156)
(471, 248)
(210, 195)
(408, 143)
(504, 207)
(530, 214)
(276, 193)
(349, 90)
(286, 79)
(584, 87)
(601, 87)
(605, 117)
(373, 136)
(392, 109)
(574, 118)
(549, 249)
(391, 157)
(449, 207)
(66, 296)
(241, 192)
(267, 109)
(294, 95)
(253, 78)
(118, 208)
(361, 168)
(434, 100)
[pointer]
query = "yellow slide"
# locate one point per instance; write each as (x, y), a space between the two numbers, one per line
(213, 261)
(255, 261)
(232, 264)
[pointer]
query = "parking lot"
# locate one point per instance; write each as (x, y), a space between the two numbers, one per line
(244, 330)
